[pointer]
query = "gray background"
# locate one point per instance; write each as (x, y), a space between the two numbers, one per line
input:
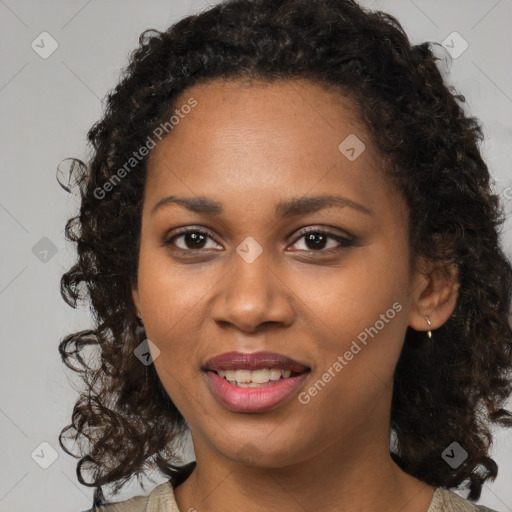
(47, 106)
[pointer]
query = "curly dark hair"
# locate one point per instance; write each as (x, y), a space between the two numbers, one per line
(453, 389)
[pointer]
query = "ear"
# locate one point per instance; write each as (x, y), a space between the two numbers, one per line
(435, 296)
(135, 296)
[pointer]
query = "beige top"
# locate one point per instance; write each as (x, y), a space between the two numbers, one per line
(161, 499)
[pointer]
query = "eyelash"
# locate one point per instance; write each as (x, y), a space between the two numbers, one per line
(343, 241)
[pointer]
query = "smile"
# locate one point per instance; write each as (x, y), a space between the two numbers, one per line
(255, 378)
(253, 382)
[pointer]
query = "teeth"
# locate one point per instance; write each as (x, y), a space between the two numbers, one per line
(260, 376)
(229, 375)
(243, 376)
(255, 378)
(275, 374)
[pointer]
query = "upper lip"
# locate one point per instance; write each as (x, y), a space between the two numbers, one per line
(253, 361)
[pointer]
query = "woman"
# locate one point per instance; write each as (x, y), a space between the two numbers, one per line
(290, 244)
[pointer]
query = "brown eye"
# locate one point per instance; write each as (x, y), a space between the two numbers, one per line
(317, 240)
(194, 240)
(190, 240)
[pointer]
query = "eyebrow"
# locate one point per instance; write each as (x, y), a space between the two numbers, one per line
(284, 209)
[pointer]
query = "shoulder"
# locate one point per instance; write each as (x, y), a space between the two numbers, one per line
(445, 500)
(160, 499)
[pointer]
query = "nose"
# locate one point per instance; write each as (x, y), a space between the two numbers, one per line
(252, 295)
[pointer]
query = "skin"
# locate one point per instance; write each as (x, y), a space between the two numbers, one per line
(250, 146)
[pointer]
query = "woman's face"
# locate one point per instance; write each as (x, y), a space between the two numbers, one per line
(338, 303)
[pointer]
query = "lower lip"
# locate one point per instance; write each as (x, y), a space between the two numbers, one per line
(238, 399)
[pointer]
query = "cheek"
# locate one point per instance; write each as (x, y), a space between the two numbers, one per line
(171, 301)
(361, 308)
(170, 292)
(168, 299)
(355, 294)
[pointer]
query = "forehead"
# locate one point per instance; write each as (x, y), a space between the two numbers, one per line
(261, 139)
(294, 107)
(298, 108)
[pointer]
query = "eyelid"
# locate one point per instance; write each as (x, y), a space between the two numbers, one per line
(188, 229)
(344, 240)
(324, 231)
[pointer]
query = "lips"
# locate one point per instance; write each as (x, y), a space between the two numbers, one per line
(242, 397)
(253, 361)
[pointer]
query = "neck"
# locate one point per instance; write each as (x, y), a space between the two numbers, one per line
(357, 476)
